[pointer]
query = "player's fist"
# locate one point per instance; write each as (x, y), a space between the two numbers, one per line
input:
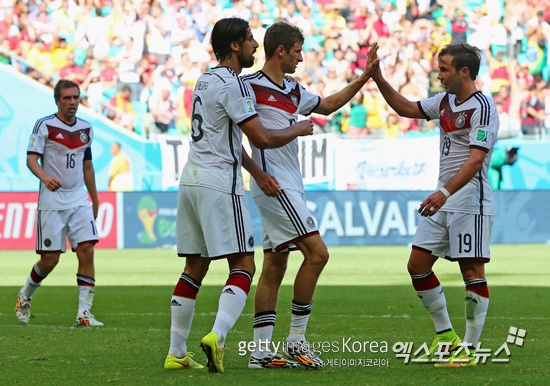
(53, 184)
(305, 127)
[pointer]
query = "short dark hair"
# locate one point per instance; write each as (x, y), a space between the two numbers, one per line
(464, 55)
(63, 84)
(281, 34)
(225, 32)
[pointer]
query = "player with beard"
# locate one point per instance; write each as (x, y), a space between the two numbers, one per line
(213, 220)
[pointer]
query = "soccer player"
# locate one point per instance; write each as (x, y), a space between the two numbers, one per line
(62, 144)
(287, 223)
(213, 221)
(457, 219)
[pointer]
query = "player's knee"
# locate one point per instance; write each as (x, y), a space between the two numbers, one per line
(417, 268)
(319, 259)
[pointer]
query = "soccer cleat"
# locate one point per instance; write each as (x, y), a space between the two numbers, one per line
(460, 358)
(23, 308)
(84, 318)
(272, 361)
(300, 351)
(173, 363)
(443, 343)
(213, 351)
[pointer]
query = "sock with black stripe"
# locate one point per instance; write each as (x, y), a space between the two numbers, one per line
(264, 322)
(298, 321)
(33, 282)
(86, 292)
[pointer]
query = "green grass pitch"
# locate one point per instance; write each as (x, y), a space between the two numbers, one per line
(364, 294)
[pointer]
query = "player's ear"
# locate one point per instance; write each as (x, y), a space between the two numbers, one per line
(234, 46)
(280, 50)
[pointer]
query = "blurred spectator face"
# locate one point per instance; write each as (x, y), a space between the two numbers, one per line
(70, 59)
(503, 92)
(165, 93)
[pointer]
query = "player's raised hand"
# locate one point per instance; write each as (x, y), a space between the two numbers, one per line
(52, 184)
(305, 127)
(372, 61)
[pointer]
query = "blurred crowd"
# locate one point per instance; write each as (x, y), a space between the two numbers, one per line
(137, 60)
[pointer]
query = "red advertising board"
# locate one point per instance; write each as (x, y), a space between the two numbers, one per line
(18, 220)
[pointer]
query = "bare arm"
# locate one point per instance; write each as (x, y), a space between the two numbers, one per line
(89, 180)
(333, 102)
(470, 168)
(398, 102)
(50, 182)
(266, 182)
(264, 138)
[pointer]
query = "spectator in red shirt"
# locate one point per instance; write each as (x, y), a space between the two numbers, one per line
(73, 71)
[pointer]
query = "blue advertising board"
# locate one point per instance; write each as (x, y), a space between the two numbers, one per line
(349, 218)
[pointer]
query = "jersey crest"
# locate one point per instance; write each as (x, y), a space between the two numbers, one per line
(452, 121)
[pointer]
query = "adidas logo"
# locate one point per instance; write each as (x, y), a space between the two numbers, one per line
(175, 303)
(272, 99)
(228, 291)
(60, 136)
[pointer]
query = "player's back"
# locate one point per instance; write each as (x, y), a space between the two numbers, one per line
(221, 101)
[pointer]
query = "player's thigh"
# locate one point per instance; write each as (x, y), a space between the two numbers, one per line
(432, 235)
(51, 230)
(81, 227)
(189, 234)
(470, 236)
(285, 220)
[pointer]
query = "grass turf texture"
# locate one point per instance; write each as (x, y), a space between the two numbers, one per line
(364, 294)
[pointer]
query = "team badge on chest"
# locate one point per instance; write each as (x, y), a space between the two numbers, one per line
(84, 137)
(460, 121)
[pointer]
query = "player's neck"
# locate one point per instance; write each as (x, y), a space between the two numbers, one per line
(69, 121)
(233, 63)
(466, 92)
(273, 70)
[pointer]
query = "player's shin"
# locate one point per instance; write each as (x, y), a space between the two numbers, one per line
(476, 302)
(182, 311)
(231, 303)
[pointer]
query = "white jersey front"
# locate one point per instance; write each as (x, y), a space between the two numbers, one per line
(221, 102)
(279, 108)
(63, 149)
(473, 123)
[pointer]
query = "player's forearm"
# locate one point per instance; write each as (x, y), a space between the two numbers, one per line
(470, 168)
(249, 164)
(89, 180)
(333, 102)
(36, 169)
(398, 102)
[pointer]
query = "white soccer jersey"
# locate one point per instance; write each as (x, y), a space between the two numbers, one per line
(221, 101)
(473, 123)
(63, 149)
(279, 108)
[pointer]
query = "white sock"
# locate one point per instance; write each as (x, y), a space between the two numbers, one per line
(31, 285)
(264, 322)
(86, 292)
(434, 301)
(182, 312)
(298, 321)
(230, 307)
(476, 311)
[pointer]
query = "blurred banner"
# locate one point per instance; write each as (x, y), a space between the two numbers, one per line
(18, 220)
(327, 162)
